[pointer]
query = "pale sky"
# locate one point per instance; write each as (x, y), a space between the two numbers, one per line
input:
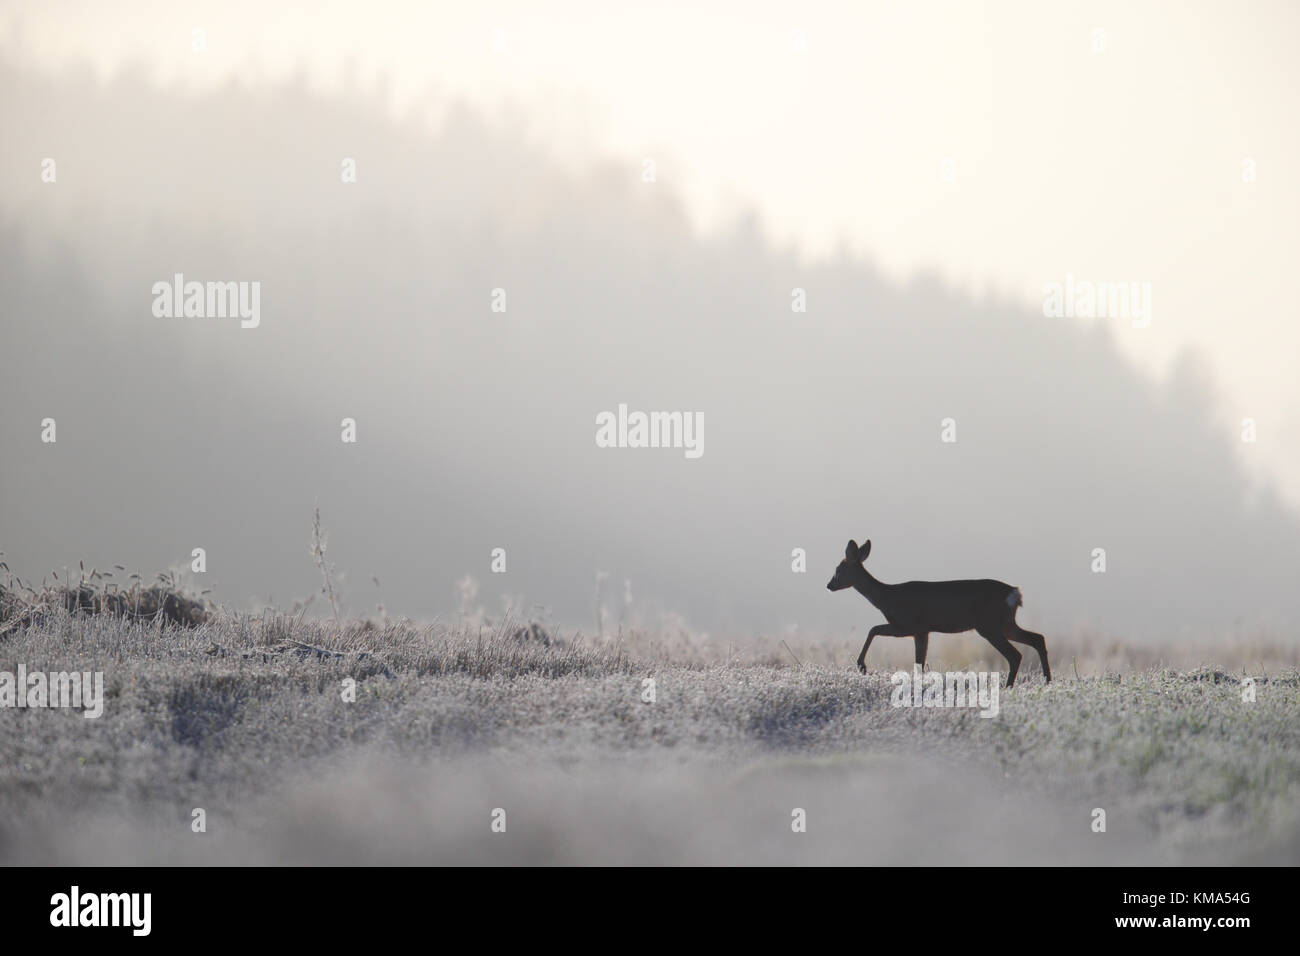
(1106, 141)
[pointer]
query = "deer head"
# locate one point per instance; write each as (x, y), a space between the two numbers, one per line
(850, 566)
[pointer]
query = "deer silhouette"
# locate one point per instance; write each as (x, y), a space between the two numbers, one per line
(915, 609)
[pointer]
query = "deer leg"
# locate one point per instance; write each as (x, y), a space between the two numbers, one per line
(1032, 639)
(922, 648)
(994, 637)
(889, 630)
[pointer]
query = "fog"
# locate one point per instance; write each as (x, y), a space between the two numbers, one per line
(476, 428)
(876, 810)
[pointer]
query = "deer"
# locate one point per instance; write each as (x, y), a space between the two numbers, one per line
(916, 609)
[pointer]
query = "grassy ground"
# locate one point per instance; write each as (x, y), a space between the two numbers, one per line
(245, 718)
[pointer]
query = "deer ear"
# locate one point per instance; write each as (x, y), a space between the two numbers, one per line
(864, 550)
(851, 552)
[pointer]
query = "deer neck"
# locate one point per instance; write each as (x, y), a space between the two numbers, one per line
(871, 589)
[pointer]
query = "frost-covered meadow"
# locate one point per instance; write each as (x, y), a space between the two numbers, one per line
(245, 718)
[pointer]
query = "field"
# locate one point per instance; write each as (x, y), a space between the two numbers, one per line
(244, 717)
